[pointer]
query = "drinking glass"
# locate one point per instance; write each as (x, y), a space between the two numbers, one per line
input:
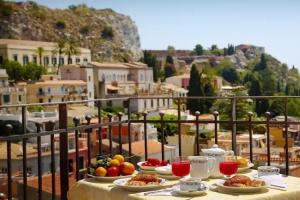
(181, 166)
(229, 166)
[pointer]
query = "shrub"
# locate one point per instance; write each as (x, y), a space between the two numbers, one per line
(108, 32)
(60, 24)
(84, 30)
(35, 108)
(6, 9)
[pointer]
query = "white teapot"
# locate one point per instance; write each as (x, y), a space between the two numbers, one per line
(219, 154)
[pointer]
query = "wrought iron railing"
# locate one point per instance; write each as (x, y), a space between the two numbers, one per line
(142, 118)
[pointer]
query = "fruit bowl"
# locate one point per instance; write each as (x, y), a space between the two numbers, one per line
(110, 178)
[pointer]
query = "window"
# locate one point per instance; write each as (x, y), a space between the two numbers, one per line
(62, 99)
(49, 100)
(85, 60)
(1, 59)
(61, 60)
(3, 170)
(49, 90)
(46, 60)
(71, 144)
(62, 88)
(89, 78)
(151, 103)
(77, 60)
(6, 98)
(15, 57)
(54, 60)
(142, 77)
(34, 59)
(70, 60)
(145, 103)
(114, 77)
(25, 60)
(20, 98)
(81, 162)
(90, 94)
(41, 101)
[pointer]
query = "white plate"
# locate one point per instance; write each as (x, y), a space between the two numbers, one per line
(165, 170)
(243, 169)
(140, 164)
(168, 177)
(109, 178)
(176, 188)
(122, 183)
(147, 171)
(240, 189)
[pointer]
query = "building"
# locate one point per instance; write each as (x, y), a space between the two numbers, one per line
(56, 90)
(24, 51)
(10, 95)
(183, 81)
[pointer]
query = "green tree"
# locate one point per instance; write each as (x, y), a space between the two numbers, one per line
(230, 74)
(195, 90)
(151, 61)
(209, 92)
(262, 64)
(169, 67)
(71, 49)
(33, 72)
(198, 50)
(14, 70)
(60, 50)
(40, 51)
(231, 49)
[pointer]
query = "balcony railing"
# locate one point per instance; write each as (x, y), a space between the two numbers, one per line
(64, 131)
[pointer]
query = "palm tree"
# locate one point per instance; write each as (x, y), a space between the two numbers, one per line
(71, 49)
(40, 51)
(60, 49)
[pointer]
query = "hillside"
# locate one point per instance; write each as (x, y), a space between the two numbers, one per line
(111, 36)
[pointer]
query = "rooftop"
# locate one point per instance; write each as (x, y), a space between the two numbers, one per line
(119, 65)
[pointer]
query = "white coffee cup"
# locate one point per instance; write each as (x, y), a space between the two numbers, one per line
(201, 166)
(190, 184)
(267, 170)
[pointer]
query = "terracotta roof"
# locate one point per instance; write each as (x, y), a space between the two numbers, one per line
(138, 147)
(16, 151)
(47, 183)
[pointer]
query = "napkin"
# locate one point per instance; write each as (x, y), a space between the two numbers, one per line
(276, 181)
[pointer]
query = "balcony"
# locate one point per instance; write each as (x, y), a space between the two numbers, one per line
(100, 130)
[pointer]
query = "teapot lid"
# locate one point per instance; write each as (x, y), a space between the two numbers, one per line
(215, 150)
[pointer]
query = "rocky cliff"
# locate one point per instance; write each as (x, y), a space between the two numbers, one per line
(111, 36)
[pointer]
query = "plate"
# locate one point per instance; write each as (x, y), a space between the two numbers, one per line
(240, 189)
(166, 170)
(176, 188)
(147, 171)
(140, 164)
(243, 169)
(109, 178)
(168, 177)
(122, 183)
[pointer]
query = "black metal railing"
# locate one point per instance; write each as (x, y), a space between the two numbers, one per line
(88, 128)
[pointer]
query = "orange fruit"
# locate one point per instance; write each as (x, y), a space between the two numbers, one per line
(115, 162)
(127, 168)
(100, 171)
(120, 158)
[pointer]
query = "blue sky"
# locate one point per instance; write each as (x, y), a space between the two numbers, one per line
(274, 24)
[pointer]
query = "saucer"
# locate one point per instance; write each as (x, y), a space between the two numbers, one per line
(200, 192)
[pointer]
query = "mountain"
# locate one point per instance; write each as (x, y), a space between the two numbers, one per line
(111, 36)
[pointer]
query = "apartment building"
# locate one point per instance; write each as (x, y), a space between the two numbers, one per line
(56, 90)
(24, 51)
(10, 94)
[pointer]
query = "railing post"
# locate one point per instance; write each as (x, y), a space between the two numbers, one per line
(216, 114)
(145, 134)
(8, 131)
(50, 127)
(286, 136)
(120, 114)
(250, 114)
(76, 121)
(88, 119)
(197, 113)
(162, 135)
(179, 125)
(24, 128)
(233, 119)
(63, 147)
(40, 163)
(268, 114)
(100, 128)
(129, 129)
(109, 115)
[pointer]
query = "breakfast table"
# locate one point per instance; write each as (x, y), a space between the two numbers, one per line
(90, 189)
